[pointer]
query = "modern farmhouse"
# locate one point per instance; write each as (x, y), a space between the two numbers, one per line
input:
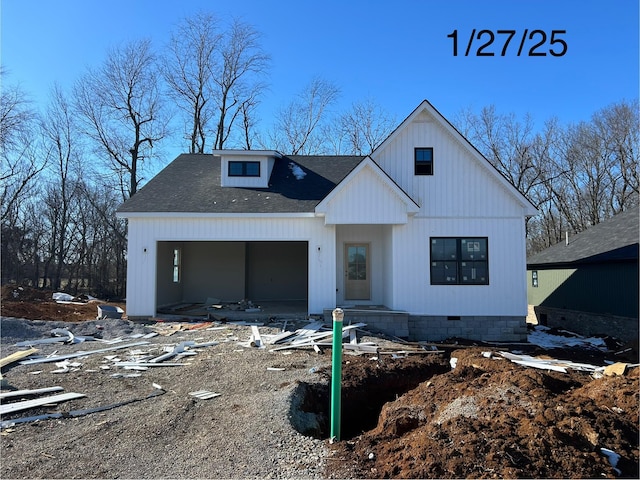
(425, 229)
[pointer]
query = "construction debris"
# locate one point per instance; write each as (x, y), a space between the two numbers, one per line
(204, 394)
(167, 329)
(78, 413)
(83, 353)
(27, 404)
(109, 311)
(27, 393)
(14, 357)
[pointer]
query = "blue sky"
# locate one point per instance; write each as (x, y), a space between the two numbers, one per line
(395, 52)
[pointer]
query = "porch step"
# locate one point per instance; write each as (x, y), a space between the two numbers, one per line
(390, 322)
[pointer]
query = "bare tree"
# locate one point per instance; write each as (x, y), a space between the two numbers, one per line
(122, 106)
(299, 121)
(21, 163)
(239, 80)
(365, 127)
(21, 166)
(62, 146)
(189, 68)
(248, 120)
(215, 75)
(617, 128)
(507, 143)
(601, 166)
(577, 176)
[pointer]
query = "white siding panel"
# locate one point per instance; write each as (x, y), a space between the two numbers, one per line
(461, 186)
(144, 233)
(366, 200)
(506, 292)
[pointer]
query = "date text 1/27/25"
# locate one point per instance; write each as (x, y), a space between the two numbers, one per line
(535, 40)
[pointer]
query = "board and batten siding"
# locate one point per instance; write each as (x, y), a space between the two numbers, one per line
(462, 184)
(366, 199)
(146, 232)
(506, 294)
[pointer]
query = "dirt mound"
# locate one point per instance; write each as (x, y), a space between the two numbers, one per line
(38, 304)
(491, 418)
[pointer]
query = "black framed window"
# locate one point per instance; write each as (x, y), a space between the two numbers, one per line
(423, 161)
(244, 169)
(459, 261)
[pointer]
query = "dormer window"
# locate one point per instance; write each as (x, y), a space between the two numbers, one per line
(244, 169)
(424, 161)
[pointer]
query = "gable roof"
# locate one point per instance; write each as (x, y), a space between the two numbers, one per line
(615, 239)
(368, 182)
(529, 208)
(191, 184)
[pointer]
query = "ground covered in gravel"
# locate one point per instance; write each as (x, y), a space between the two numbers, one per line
(243, 433)
(403, 416)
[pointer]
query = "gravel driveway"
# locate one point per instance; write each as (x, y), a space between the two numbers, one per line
(245, 432)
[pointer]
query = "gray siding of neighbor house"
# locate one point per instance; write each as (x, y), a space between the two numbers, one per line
(606, 289)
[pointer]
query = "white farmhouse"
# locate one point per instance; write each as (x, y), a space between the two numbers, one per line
(424, 238)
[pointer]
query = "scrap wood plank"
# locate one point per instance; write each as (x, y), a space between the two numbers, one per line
(16, 407)
(615, 369)
(319, 335)
(24, 393)
(356, 347)
(311, 336)
(14, 357)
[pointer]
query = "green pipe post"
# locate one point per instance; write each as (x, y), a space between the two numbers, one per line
(336, 374)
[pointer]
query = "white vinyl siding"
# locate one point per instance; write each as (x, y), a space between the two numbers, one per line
(367, 198)
(145, 233)
(461, 186)
(505, 295)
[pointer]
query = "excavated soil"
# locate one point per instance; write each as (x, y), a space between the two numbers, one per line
(406, 417)
(491, 418)
(36, 304)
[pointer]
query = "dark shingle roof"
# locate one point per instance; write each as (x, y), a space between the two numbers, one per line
(615, 239)
(191, 183)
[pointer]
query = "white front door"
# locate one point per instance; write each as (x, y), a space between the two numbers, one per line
(357, 275)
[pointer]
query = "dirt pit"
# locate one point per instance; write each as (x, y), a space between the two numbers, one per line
(487, 418)
(367, 384)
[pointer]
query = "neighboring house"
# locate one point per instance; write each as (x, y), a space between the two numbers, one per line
(589, 283)
(425, 228)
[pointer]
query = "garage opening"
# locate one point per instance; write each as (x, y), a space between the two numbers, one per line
(260, 271)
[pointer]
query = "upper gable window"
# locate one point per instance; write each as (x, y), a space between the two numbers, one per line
(424, 161)
(244, 169)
